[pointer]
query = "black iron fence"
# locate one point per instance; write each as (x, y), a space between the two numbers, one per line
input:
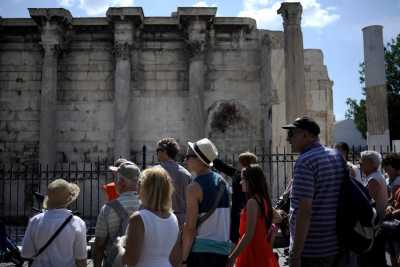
(19, 182)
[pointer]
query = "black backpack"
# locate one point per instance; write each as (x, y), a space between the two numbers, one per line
(357, 219)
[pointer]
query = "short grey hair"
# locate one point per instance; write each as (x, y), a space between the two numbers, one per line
(372, 156)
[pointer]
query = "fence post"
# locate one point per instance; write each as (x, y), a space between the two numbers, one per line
(144, 150)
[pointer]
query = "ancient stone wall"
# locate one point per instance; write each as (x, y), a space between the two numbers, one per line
(126, 80)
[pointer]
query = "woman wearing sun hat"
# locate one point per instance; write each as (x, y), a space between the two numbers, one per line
(68, 247)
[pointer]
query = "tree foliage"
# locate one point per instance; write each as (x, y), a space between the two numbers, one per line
(356, 110)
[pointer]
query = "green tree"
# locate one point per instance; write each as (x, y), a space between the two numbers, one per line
(356, 110)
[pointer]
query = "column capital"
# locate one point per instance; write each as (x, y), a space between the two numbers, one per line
(291, 13)
(53, 24)
(133, 15)
(196, 22)
(122, 50)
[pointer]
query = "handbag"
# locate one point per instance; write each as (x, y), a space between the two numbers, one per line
(51, 239)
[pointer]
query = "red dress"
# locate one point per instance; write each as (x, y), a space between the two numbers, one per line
(258, 253)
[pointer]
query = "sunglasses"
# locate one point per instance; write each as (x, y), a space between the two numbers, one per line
(188, 156)
(159, 150)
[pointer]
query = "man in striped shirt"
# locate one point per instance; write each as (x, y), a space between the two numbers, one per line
(317, 177)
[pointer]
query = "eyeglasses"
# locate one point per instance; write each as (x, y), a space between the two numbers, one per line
(188, 156)
(292, 132)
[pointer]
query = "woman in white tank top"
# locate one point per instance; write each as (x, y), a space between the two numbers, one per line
(152, 232)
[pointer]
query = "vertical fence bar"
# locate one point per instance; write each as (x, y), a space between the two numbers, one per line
(144, 149)
(91, 190)
(84, 189)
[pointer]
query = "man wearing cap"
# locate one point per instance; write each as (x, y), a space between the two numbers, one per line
(317, 177)
(207, 244)
(68, 247)
(109, 189)
(167, 149)
(109, 221)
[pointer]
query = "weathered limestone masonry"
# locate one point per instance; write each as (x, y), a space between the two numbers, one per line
(294, 60)
(126, 80)
(319, 104)
(52, 24)
(375, 82)
(125, 22)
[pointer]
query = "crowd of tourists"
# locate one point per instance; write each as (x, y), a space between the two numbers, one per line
(214, 214)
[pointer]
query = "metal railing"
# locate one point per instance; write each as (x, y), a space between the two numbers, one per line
(19, 182)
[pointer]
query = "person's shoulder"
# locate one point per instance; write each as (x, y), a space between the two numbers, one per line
(184, 170)
(135, 220)
(36, 218)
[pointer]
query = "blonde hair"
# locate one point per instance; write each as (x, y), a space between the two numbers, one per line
(156, 189)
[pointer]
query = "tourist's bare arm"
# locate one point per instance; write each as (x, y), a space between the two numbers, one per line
(193, 197)
(252, 214)
(174, 257)
(99, 248)
(134, 240)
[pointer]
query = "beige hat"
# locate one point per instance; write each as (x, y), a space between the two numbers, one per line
(128, 170)
(205, 150)
(60, 194)
(118, 163)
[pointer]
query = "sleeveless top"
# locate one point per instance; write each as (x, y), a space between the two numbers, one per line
(213, 234)
(160, 236)
(259, 252)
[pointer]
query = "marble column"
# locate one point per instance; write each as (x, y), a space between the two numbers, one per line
(125, 23)
(266, 89)
(294, 60)
(53, 23)
(375, 81)
(196, 22)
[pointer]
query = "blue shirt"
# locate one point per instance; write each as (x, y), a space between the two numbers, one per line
(318, 174)
(213, 234)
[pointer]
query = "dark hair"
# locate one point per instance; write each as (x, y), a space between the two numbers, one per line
(170, 146)
(247, 158)
(257, 187)
(393, 160)
(343, 146)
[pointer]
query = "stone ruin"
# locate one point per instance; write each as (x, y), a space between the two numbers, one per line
(79, 89)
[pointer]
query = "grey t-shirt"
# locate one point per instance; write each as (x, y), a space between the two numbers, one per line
(180, 179)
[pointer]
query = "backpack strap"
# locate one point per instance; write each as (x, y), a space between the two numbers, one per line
(54, 236)
(121, 213)
(203, 218)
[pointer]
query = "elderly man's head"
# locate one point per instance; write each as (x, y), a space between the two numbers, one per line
(370, 161)
(127, 177)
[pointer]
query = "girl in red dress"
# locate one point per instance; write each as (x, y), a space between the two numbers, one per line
(254, 248)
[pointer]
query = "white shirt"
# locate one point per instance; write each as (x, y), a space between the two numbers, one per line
(66, 248)
(160, 236)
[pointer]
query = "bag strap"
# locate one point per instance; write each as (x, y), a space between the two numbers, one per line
(121, 212)
(203, 218)
(54, 235)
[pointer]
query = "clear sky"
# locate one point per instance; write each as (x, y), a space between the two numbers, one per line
(333, 26)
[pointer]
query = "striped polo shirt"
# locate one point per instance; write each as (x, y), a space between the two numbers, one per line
(213, 234)
(317, 175)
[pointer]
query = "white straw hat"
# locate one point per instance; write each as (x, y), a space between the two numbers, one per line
(205, 150)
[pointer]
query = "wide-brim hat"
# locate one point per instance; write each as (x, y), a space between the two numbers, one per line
(205, 150)
(60, 194)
